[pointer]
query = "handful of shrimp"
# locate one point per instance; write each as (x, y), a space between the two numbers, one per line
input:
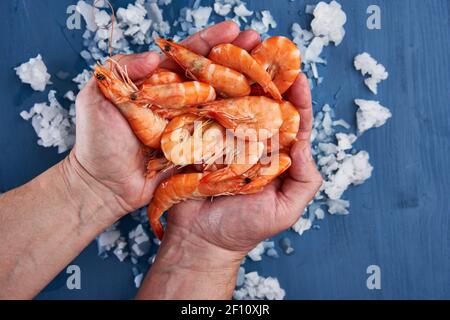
(224, 119)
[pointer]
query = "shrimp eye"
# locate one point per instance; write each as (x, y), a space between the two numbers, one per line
(247, 180)
(133, 96)
(167, 48)
(100, 77)
(170, 40)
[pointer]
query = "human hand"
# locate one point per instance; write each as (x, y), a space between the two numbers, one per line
(106, 149)
(237, 224)
(206, 240)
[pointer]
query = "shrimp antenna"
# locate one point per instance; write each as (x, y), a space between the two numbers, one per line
(113, 21)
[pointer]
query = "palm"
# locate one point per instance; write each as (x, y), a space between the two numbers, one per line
(107, 148)
(245, 221)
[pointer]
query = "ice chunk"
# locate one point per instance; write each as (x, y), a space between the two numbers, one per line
(338, 206)
(242, 11)
(256, 287)
(102, 19)
(88, 13)
(329, 21)
(222, 9)
(369, 66)
(345, 141)
(54, 125)
(257, 252)
(355, 169)
(34, 73)
(201, 16)
(302, 225)
(371, 114)
(138, 280)
(240, 277)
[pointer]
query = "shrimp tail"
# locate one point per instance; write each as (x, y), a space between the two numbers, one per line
(154, 215)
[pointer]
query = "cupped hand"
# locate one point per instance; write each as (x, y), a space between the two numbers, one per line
(106, 148)
(237, 224)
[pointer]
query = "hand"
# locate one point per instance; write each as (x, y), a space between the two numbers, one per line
(106, 148)
(205, 241)
(237, 224)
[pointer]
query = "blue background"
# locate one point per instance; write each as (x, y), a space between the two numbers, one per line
(399, 218)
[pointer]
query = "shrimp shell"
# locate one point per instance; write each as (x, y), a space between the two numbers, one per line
(182, 187)
(174, 95)
(281, 58)
(226, 81)
(238, 59)
(251, 118)
(146, 125)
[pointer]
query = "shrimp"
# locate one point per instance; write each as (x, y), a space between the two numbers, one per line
(288, 132)
(162, 76)
(244, 155)
(174, 95)
(187, 140)
(240, 60)
(262, 174)
(226, 81)
(281, 58)
(251, 118)
(182, 187)
(146, 125)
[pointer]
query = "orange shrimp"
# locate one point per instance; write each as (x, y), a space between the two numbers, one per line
(240, 158)
(182, 187)
(251, 118)
(281, 58)
(174, 95)
(287, 135)
(262, 174)
(226, 81)
(116, 87)
(162, 76)
(189, 140)
(240, 60)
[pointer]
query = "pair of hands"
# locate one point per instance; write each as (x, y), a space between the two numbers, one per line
(225, 229)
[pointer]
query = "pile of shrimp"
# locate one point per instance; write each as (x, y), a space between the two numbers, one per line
(230, 101)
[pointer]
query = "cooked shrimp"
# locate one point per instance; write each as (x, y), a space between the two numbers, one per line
(116, 87)
(189, 140)
(241, 157)
(174, 95)
(287, 135)
(263, 174)
(182, 187)
(226, 81)
(162, 76)
(240, 60)
(251, 118)
(281, 58)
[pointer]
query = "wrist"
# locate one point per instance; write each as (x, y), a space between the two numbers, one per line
(188, 267)
(94, 202)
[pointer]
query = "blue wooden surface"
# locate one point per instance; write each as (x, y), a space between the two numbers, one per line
(399, 219)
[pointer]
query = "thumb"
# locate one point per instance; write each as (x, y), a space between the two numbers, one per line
(302, 184)
(139, 66)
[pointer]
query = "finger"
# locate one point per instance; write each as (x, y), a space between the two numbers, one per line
(248, 40)
(300, 95)
(202, 42)
(302, 184)
(139, 66)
